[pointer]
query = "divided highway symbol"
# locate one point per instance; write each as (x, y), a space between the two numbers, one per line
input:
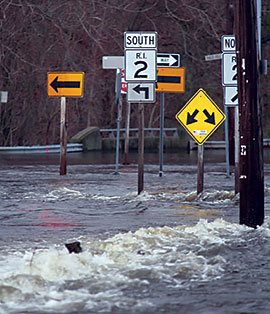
(200, 117)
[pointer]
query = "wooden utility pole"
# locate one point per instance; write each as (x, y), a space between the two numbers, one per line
(250, 117)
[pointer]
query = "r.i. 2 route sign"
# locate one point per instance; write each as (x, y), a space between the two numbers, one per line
(200, 117)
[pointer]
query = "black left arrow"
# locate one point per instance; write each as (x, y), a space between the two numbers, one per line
(138, 89)
(210, 117)
(55, 84)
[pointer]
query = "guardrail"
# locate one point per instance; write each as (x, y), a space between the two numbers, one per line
(111, 133)
(71, 148)
(219, 144)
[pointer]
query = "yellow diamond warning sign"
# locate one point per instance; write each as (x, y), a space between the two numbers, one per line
(200, 116)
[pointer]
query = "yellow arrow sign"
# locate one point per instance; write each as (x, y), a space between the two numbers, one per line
(66, 84)
(200, 117)
(170, 80)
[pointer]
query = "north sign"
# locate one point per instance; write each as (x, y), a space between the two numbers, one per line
(65, 84)
(141, 92)
(140, 65)
(170, 80)
(200, 117)
(145, 40)
(228, 43)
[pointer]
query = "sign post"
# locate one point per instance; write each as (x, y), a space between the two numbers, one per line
(200, 117)
(64, 84)
(229, 82)
(140, 74)
(63, 137)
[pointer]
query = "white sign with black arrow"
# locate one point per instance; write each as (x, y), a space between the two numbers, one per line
(141, 92)
(170, 60)
(230, 96)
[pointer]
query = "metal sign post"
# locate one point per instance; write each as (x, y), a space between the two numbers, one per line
(127, 134)
(118, 101)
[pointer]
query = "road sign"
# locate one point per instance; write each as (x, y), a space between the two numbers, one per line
(230, 96)
(113, 62)
(171, 80)
(168, 60)
(141, 92)
(200, 117)
(229, 69)
(135, 40)
(216, 56)
(65, 84)
(123, 82)
(140, 65)
(3, 96)
(228, 43)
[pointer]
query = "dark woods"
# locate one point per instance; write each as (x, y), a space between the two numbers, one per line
(38, 36)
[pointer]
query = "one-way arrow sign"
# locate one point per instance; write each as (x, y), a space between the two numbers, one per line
(65, 84)
(171, 60)
(141, 92)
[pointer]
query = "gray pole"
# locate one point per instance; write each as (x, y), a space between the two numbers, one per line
(118, 101)
(236, 150)
(259, 23)
(127, 134)
(227, 143)
(161, 133)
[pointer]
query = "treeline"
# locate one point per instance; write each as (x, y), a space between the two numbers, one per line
(38, 36)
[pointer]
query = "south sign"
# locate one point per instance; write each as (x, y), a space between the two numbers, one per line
(146, 40)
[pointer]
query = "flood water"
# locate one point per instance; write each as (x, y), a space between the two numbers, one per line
(166, 250)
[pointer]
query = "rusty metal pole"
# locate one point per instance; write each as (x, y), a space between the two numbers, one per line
(250, 115)
(141, 148)
(63, 137)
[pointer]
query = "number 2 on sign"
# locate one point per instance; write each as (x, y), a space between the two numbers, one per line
(141, 69)
(234, 68)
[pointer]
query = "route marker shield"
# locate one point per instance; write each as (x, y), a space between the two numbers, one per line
(200, 117)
